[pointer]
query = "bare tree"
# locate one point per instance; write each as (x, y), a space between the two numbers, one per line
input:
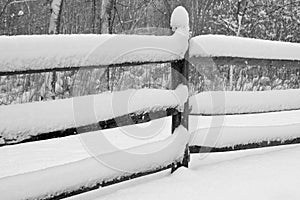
(54, 28)
(241, 11)
(107, 9)
(56, 8)
(4, 7)
(94, 5)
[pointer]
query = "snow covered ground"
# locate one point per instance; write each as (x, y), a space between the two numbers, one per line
(270, 173)
(106, 165)
(241, 102)
(232, 46)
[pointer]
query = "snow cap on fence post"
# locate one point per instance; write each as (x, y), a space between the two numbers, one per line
(180, 20)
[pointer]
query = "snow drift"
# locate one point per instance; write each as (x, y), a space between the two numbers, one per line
(92, 171)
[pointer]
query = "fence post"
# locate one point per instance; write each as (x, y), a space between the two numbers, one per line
(180, 75)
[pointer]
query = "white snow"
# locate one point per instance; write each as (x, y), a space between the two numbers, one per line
(34, 166)
(270, 173)
(230, 130)
(224, 130)
(34, 156)
(87, 172)
(21, 121)
(241, 102)
(231, 46)
(21, 53)
(38, 52)
(180, 20)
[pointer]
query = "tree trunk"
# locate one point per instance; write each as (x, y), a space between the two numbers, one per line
(242, 7)
(56, 8)
(106, 16)
(54, 28)
(4, 7)
(107, 7)
(94, 16)
(168, 9)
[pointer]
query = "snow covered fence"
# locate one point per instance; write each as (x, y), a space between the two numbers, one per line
(22, 122)
(45, 53)
(50, 53)
(209, 53)
(220, 46)
(244, 131)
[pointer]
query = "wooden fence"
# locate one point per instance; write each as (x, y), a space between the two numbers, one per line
(60, 53)
(238, 66)
(73, 53)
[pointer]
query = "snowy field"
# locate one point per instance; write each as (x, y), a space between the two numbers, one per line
(270, 173)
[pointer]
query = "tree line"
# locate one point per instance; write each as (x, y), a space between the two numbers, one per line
(265, 19)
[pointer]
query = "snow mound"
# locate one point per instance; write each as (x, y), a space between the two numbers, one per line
(232, 46)
(269, 173)
(180, 19)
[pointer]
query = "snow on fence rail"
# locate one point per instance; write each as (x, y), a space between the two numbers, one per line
(44, 53)
(244, 131)
(19, 123)
(210, 51)
(220, 46)
(244, 102)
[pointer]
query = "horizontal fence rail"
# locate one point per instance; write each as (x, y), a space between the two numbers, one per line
(65, 69)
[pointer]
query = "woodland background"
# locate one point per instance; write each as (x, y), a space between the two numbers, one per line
(264, 19)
